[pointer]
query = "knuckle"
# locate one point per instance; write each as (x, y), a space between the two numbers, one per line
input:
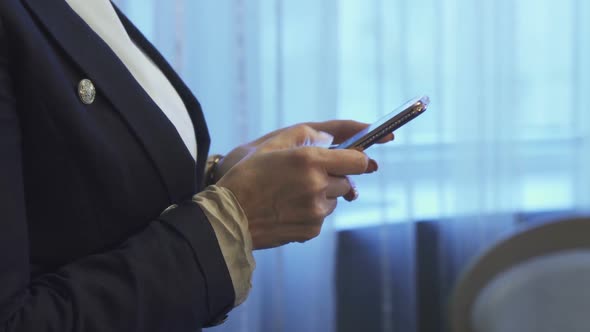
(317, 213)
(317, 182)
(314, 231)
(361, 161)
(303, 130)
(304, 134)
(333, 207)
(267, 147)
(309, 233)
(304, 157)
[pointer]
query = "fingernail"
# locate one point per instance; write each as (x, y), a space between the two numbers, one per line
(373, 166)
(353, 193)
(348, 197)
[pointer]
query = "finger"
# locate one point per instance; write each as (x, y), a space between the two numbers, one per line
(373, 166)
(353, 193)
(340, 129)
(330, 205)
(338, 186)
(343, 161)
(387, 138)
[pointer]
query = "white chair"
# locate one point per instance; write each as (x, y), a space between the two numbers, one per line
(535, 280)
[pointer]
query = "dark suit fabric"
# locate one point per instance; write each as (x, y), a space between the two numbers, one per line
(83, 246)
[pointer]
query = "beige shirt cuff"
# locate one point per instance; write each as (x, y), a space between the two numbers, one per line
(231, 228)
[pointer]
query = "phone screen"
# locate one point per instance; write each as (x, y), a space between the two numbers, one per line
(387, 124)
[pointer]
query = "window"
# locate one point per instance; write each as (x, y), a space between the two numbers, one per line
(507, 129)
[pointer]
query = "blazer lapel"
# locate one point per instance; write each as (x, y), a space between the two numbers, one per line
(191, 103)
(112, 79)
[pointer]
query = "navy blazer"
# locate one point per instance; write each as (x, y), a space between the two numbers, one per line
(83, 246)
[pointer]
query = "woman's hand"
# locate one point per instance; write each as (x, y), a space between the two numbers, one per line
(340, 130)
(287, 186)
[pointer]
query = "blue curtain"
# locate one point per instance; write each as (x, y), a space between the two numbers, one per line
(508, 130)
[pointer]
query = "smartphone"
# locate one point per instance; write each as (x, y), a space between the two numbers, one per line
(387, 124)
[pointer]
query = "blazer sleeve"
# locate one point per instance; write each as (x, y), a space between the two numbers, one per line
(171, 276)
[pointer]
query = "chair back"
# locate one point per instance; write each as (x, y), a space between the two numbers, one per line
(563, 237)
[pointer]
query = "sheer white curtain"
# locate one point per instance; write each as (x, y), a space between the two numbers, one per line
(508, 130)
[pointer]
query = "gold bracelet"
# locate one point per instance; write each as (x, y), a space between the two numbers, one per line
(212, 163)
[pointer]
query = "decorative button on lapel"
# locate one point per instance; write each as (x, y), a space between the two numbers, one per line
(86, 91)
